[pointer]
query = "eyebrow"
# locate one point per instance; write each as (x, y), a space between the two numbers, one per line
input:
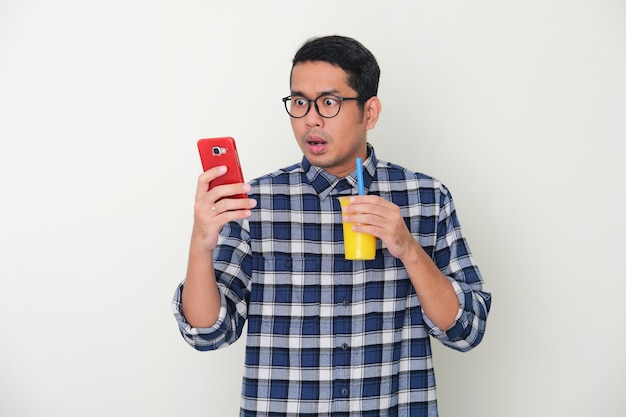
(334, 92)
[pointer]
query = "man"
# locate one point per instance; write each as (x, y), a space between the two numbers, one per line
(327, 336)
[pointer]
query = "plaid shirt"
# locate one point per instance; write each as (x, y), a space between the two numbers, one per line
(327, 336)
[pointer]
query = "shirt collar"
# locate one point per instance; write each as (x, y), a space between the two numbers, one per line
(326, 184)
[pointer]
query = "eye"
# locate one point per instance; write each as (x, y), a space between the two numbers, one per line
(299, 101)
(329, 101)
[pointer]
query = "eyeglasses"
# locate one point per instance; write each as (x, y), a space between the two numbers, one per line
(326, 105)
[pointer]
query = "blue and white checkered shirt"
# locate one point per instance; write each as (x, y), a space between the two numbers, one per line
(327, 336)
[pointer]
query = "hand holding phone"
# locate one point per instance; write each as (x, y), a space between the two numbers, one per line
(221, 151)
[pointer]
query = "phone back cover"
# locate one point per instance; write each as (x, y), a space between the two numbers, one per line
(221, 151)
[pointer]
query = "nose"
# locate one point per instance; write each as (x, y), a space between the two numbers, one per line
(313, 118)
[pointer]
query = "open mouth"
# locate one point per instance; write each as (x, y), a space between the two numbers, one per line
(316, 145)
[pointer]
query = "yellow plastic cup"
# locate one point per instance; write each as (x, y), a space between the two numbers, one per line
(357, 246)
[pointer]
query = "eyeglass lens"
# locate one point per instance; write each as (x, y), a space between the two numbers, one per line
(327, 106)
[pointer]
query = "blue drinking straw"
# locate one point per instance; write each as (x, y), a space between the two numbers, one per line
(359, 176)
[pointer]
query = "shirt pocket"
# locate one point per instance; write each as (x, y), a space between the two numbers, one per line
(286, 296)
(388, 296)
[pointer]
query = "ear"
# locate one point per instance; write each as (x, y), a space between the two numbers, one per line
(372, 111)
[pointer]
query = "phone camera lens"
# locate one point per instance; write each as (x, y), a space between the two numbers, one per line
(216, 150)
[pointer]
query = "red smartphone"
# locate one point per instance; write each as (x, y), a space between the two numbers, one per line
(221, 151)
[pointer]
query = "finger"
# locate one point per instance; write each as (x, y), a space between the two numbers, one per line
(210, 216)
(232, 204)
(227, 191)
(222, 217)
(206, 177)
(370, 205)
(373, 200)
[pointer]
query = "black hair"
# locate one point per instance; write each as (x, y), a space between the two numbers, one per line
(349, 55)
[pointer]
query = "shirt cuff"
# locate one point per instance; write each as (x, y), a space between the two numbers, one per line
(456, 327)
(189, 330)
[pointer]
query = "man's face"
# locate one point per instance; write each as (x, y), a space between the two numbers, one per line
(334, 143)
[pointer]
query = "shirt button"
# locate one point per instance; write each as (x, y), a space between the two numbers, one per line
(345, 392)
(345, 346)
(346, 303)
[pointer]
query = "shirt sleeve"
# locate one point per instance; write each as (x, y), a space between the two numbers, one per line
(453, 257)
(232, 262)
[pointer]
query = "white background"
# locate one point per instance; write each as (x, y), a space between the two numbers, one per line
(518, 107)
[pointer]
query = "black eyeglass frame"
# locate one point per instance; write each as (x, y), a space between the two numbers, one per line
(317, 109)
